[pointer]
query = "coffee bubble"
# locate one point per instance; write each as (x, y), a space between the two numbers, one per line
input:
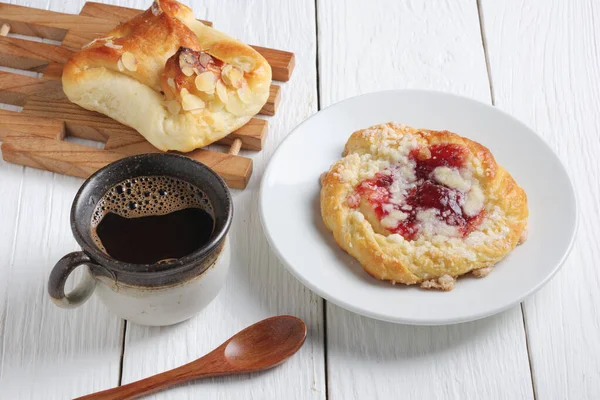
(148, 195)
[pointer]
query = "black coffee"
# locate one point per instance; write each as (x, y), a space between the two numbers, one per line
(152, 219)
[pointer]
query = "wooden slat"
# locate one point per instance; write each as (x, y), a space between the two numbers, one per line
(97, 125)
(53, 71)
(29, 55)
(234, 169)
(55, 155)
(252, 135)
(77, 160)
(282, 62)
(270, 108)
(37, 142)
(15, 88)
(49, 24)
(12, 123)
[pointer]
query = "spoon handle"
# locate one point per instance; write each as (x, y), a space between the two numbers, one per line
(204, 367)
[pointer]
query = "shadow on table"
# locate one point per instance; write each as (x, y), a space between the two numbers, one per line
(353, 336)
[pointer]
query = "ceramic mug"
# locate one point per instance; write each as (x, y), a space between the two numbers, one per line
(148, 294)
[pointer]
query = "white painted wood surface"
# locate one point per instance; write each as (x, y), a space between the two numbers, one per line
(543, 59)
(258, 286)
(429, 45)
(46, 352)
(545, 69)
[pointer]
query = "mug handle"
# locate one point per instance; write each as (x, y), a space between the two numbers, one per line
(58, 278)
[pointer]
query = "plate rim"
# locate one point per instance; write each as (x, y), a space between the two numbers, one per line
(411, 321)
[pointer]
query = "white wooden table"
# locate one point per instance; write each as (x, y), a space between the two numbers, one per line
(536, 59)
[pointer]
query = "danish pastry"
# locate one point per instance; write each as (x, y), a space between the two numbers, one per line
(417, 206)
(178, 82)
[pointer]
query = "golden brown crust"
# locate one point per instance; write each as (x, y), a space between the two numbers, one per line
(124, 76)
(430, 259)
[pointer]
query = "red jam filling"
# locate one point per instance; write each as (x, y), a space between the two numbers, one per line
(427, 194)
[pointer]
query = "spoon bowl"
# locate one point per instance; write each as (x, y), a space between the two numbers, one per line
(261, 346)
(254, 348)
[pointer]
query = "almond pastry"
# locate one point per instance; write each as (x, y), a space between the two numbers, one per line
(417, 206)
(179, 83)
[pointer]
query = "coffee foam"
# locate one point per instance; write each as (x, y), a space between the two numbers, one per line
(148, 195)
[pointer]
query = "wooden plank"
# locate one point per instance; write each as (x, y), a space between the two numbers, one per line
(48, 24)
(26, 28)
(53, 71)
(80, 122)
(77, 160)
(29, 55)
(15, 88)
(270, 108)
(282, 62)
(13, 123)
(56, 156)
(434, 46)
(252, 135)
(258, 285)
(554, 89)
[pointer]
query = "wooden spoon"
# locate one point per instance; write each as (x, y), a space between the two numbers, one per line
(260, 346)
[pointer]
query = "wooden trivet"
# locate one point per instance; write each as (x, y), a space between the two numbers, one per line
(35, 136)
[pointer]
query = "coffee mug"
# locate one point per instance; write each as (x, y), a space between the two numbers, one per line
(158, 294)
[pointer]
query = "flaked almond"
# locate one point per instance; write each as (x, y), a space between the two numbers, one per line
(97, 40)
(232, 76)
(192, 102)
(186, 59)
(215, 105)
(90, 43)
(236, 107)
(222, 92)
(225, 73)
(129, 61)
(173, 106)
(187, 71)
(110, 44)
(246, 64)
(244, 93)
(205, 82)
(120, 65)
(204, 59)
(171, 82)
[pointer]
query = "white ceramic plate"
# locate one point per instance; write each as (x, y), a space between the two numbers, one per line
(290, 211)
